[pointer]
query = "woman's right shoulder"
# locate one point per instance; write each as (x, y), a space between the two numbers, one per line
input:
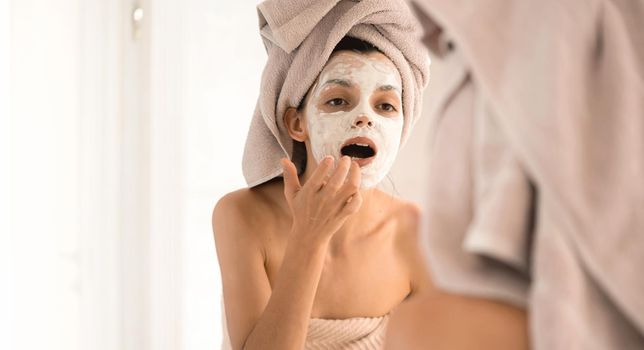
(246, 209)
(235, 201)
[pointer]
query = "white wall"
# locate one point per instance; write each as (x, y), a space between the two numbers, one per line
(6, 251)
(77, 197)
(43, 171)
(120, 147)
(223, 61)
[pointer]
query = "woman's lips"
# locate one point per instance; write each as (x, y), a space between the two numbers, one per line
(363, 161)
(363, 141)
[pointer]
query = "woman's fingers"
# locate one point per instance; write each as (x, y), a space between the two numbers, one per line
(355, 175)
(352, 183)
(349, 190)
(319, 176)
(340, 174)
(324, 210)
(291, 181)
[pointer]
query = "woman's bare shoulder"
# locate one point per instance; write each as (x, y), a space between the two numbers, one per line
(408, 217)
(408, 240)
(248, 208)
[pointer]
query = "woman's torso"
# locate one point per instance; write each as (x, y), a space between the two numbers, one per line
(367, 273)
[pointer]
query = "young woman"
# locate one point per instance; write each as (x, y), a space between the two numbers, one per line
(324, 249)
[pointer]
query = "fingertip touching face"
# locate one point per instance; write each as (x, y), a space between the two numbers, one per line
(355, 109)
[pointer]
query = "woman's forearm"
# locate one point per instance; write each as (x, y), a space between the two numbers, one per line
(284, 323)
(444, 321)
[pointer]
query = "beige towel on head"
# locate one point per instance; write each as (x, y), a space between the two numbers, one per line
(536, 188)
(299, 36)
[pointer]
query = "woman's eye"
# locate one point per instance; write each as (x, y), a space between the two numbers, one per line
(387, 107)
(336, 102)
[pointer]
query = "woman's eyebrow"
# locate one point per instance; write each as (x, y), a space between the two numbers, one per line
(343, 82)
(388, 88)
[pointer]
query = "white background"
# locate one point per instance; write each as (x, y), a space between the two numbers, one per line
(116, 140)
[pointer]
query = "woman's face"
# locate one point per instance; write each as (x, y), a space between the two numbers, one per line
(355, 109)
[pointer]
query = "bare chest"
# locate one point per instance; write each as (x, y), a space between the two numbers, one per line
(367, 277)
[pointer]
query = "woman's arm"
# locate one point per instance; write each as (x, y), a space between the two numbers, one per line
(434, 319)
(246, 286)
(257, 317)
(444, 321)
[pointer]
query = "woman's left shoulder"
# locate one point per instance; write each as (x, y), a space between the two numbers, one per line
(408, 238)
(408, 216)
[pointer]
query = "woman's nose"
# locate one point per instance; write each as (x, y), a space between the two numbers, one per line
(362, 121)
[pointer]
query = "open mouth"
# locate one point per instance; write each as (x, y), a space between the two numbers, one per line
(360, 149)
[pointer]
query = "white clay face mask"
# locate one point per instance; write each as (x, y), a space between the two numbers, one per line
(355, 109)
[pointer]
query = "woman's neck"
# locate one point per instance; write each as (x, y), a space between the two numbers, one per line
(358, 222)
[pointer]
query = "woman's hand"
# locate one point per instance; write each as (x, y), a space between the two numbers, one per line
(321, 206)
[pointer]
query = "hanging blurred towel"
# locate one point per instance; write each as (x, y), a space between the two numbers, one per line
(299, 36)
(536, 188)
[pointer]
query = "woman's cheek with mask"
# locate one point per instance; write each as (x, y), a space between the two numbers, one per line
(328, 132)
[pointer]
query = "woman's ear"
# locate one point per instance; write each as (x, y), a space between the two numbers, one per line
(295, 125)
